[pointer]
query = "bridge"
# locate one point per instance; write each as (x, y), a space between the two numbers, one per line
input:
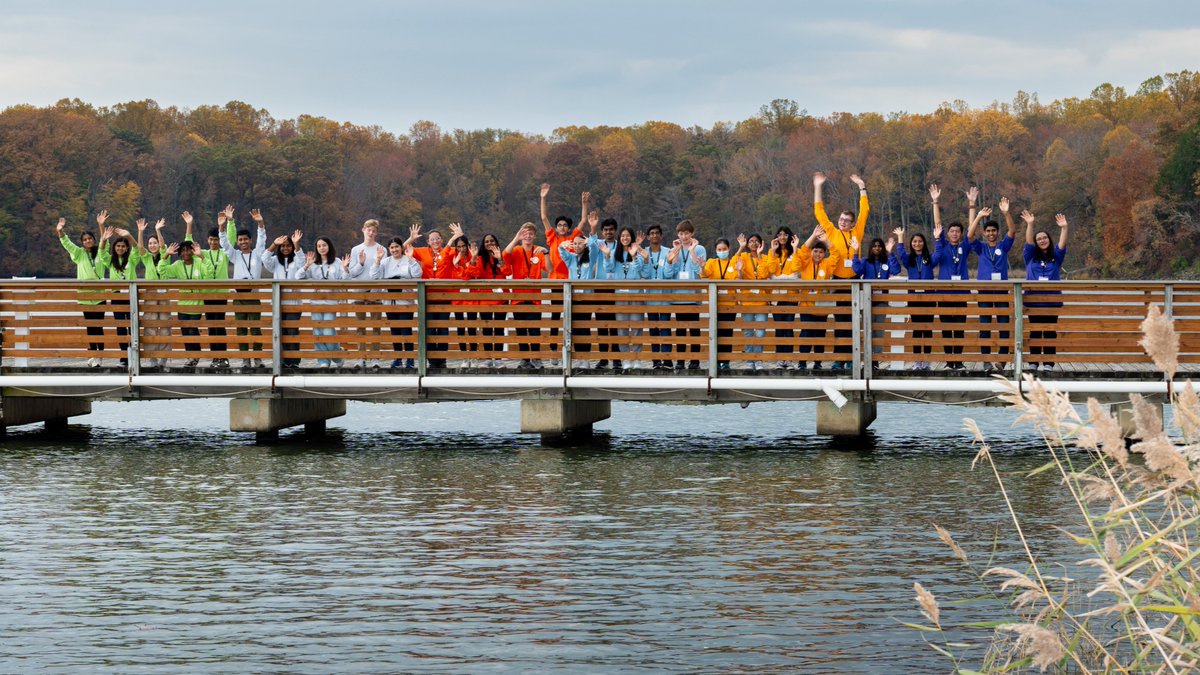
(848, 345)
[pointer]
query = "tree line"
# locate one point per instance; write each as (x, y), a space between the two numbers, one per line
(1125, 167)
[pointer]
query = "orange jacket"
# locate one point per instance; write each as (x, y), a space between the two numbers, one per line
(525, 265)
(839, 241)
(558, 269)
(476, 269)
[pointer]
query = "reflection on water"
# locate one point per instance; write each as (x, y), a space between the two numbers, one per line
(679, 538)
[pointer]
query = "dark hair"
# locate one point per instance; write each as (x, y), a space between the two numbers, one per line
(926, 257)
(119, 262)
(242, 233)
(330, 257)
(1043, 254)
(882, 257)
(653, 228)
(755, 235)
(563, 219)
(619, 253)
(607, 222)
(156, 256)
(282, 259)
(397, 241)
(785, 249)
(213, 233)
(955, 224)
(991, 223)
(819, 245)
(720, 241)
(488, 261)
(93, 250)
(584, 256)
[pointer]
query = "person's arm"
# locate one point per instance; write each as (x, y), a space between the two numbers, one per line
(1028, 218)
(973, 228)
(415, 270)
(818, 202)
(512, 244)
(260, 241)
(864, 206)
(226, 218)
(972, 199)
(226, 239)
(1061, 221)
(585, 200)
(545, 214)
(72, 250)
(1008, 219)
(187, 220)
(935, 193)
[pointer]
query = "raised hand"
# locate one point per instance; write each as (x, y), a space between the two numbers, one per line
(221, 218)
(141, 224)
(160, 224)
(173, 248)
(891, 244)
(379, 254)
(256, 215)
(604, 247)
(972, 195)
(228, 211)
(121, 231)
(414, 231)
(637, 241)
(474, 249)
(456, 229)
(795, 243)
(985, 212)
(818, 179)
(280, 239)
(101, 217)
(586, 198)
(187, 217)
(310, 258)
(937, 230)
(935, 192)
(775, 245)
(362, 257)
(58, 229)
(1027, 217)
(345, 261)
(675, 245)
(853, 244)
(899, 232)
(545, 190)
(857, 180)
(741, 240)
(106, 234)
(296, 237)
(1060, 220)
(1004, 205)
(593, 217)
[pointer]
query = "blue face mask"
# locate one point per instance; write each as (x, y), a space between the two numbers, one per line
(723, 255)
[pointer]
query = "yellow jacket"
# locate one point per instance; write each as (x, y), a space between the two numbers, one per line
(717, 269)
(839, 241)
(753, 270)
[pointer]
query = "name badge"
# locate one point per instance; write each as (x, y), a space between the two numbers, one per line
(1043, 278)
(534, 260)
(996, 276)
(685, 275)
(955, 277)
(960, 250)
(847, 263)
(821, 274)
(884, 267)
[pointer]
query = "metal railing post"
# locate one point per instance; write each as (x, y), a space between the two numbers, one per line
(276, 323)
(861, 310)
(1018, 332)
(422, 329)
(134, 353)
(712, 329)
(566, 327)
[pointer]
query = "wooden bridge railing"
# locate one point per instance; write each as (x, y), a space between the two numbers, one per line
(701, 327)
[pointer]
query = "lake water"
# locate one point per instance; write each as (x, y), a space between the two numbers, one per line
(435, 538)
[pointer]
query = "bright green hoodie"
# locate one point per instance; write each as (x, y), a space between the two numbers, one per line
(86, 267)
(199, 270)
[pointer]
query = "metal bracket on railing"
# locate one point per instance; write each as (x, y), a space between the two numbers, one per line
(422, 329)
(566, 327)
(1018, 332)
(860, 308)
(712, 329)
(276, 323)
(134, 353)
(1169, 301)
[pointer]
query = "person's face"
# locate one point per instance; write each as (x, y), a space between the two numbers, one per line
(214, 243)
(580, 244)
(626, 238)
(562, 228)
(121, 247)
(461, 246)
(186, 252)
(286, 247)
(685, 237)
(1042, 240)
(954, 234)
(654, 236)
(489, 242)
(435, 241)
(395, 249)
(88, 241)
(370, 232)
(608, 232)
(845, 222)
(917, 244)
(322, 247)
(243, 242)
(876, 248)
(527, 236)
(722, 248)
(754, 244)
(818, 254)
(152, 244)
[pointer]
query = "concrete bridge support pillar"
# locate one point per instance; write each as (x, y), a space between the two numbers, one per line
(557, 417)
(852, 419)
(17, 410)
(1124, 414)
(266, 416)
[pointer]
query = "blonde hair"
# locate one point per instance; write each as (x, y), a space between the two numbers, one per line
(371, 223)
(528, 226)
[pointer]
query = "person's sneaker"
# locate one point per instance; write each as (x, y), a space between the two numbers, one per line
(191, 363)
(536, 364)
(411, 364)
(1031, 367)
(375, 365)
(337, 363)
(247, 363)
(1047, 367)
(989, 369)
(395, 364)
(602, 365)
(816, 365)
(258, 363)
(694, 364)
(837, 365)
(618, 366)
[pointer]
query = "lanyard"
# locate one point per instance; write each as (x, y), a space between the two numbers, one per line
(655, 262)
(723, 268)
(189, 273)
(246, 258)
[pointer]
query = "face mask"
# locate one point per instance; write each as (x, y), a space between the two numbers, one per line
(723, 255)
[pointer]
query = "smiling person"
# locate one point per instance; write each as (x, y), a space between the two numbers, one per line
(950, 253)
(563, 230)
(1043, 262)
(359, 269)
(656, 268)
(723, 267)
(323, 265)
(217, 265)
(781, 266)
(86, 269)
(754, 268)
(119, 263)
(527, 261)
(687, 258)
(283, 260)
(191, 266)
(624, 262)
(487, 263)
(150, 252)
(992, 253)
(247, 266)
(578, 256)
(917, 260)
(842, 240)
(398, 264)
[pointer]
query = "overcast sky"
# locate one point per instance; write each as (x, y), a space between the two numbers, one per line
(535, 65)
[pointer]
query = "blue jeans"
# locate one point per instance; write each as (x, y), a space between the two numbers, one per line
(326, 331)
(755, 332)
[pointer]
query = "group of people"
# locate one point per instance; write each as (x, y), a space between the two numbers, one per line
(605, 251)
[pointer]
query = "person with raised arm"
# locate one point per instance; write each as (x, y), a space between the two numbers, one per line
(400, 263)
(155, 321)
(323, 265)
(608, 237)
(723, 267)
(283, 260)
(623, 262)
(119, 262)
(247, 266)
(459, 270)
(190, 267)
(687, 258)
(992, 253)
(86, 269)
(842, 240)
(778, 268)
(437, 262)
(487, 263)
(527, 261)
(656, 268)
(880, 262)
(917, 260)
(218, 267)
(754, 268)
(359, 270)
(1043, 262)
(951, 253)
(578, 255)
(813, 261)
(563, 230)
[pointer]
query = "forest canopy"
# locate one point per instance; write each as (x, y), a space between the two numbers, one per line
(1124, 167)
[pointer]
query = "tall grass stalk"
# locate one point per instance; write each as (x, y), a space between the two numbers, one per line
(1137, 607)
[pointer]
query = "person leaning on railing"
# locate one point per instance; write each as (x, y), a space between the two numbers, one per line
(754, 268)
(283, 260)
(119, 263)
(247, 266)
(189, 267)
(991, 252)
(919, 265)
(86, 269)
(398, 264)
(842, 240)
(1043, 262)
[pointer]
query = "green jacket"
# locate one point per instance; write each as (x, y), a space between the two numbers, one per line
(86, 268)
(218, 266)
(150, 270)
(107, 269)
(199, 270)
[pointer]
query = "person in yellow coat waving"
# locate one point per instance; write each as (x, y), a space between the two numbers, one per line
(843, 240)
